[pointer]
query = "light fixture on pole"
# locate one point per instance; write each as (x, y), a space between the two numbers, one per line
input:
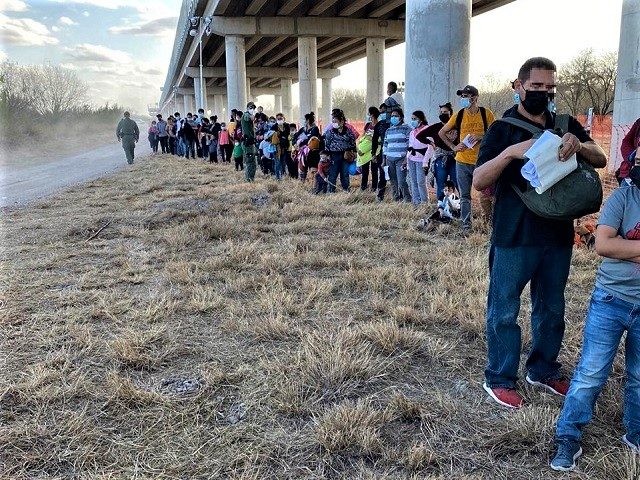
(202, 24)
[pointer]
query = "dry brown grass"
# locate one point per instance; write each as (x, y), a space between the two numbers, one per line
(320, 337)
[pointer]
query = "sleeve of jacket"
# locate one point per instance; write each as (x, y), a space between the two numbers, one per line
(628, 142)
(118, 129)
(137, 130)
(385, 144)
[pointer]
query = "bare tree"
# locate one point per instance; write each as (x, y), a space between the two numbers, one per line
(588, 81)
(351, 102)
(495, 94)
(50, 91)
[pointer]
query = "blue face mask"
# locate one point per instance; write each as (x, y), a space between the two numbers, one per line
(414, 123)
(516, 98)
(395, 120)
(465, 102)
(382, 117)
(551, 106)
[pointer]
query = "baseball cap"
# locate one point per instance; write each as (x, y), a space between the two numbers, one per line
(468, 89)
(251, 105)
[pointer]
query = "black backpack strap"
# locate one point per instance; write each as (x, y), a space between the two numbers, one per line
(459, 117)
(516, 122)
(562, 123)
(483, 113)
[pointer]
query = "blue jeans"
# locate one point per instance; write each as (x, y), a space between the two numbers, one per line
(181, 147)
(398, 178)
(464, 175)
(547, 268)
(338, 166)
(607, 319)
(444, 167)
(277, 166)
(418, 183)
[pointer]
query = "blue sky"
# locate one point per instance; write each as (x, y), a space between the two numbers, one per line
(122, 48)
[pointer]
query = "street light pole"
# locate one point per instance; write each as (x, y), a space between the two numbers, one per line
(200, 32)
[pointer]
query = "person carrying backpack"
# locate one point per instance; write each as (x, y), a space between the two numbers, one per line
(526, 247)
(471, 122)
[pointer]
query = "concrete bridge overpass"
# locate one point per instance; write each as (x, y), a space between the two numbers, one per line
(261, 47)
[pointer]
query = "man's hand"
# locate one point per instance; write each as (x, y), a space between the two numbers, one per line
(518, 150)
(570, 145)
(461, 147)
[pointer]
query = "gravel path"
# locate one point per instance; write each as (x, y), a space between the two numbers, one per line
(21, 185)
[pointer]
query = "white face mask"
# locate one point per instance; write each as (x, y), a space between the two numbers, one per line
(335, 125)
(280, 122)
(252, 111)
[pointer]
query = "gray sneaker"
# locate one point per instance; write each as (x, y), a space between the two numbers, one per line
(632, 442)
(566, 456)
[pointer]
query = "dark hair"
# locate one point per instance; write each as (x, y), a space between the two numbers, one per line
(201, 110)
(383, 106)
(159, 115)
(213, 118)
(281, 115)
(272, 117)
(310, 117)
(189, 114)
(393, 85)
(419, 114)
(177, 113)
(233, 110)
(541, 63)
(339, 114)
(449, 184)
(398, 110)
(205, 120)
(374, 112)
(292, 126)
(448, 106)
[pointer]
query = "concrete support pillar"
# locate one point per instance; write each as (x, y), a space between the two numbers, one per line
(200, 95)
(375, 71)
(236, 72)
(249, 97)
(325, 111)
(211, 105)
(277, 103)
(189, 100)
(287, 104)
(218, 106)
(178, 103)
(307, 75)
(432, 75)
(225, 108)
(626, 107)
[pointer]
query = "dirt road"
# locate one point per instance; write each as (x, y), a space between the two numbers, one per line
(21, 185)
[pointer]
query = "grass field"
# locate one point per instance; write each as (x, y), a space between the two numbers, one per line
(217, 329)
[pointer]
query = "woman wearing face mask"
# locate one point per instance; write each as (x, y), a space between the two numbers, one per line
(444, 164)
(418, 156)
(153, 137)
(340, 142)
(396, 144)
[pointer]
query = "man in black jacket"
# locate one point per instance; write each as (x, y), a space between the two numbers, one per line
(379, 132)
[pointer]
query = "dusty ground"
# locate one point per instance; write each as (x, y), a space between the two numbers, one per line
(214, 329)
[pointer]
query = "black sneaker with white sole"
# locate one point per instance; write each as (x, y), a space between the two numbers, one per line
(566, 456)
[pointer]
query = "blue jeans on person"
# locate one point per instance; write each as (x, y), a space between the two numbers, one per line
(277, 165)
(190, 148)
(418, 183)
(338, 166)
(607, 320)
(398, 177)
(180, 147)
(444, 167)
(511, 268)
(464, 176)
(213, 151)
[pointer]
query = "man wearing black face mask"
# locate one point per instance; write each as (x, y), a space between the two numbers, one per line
(526, 247)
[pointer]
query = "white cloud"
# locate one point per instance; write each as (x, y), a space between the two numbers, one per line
(87, 52)
(12, 6)
(157, 27)
(3, 56)
(85, 14)
(55, 29)
(24, 32)
(67, 21)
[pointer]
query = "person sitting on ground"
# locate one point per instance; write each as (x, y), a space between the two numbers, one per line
(448, 208)
(324, 165)
(614, 309)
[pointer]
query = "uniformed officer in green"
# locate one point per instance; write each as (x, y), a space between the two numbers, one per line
(249, 142)
(129, 133)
